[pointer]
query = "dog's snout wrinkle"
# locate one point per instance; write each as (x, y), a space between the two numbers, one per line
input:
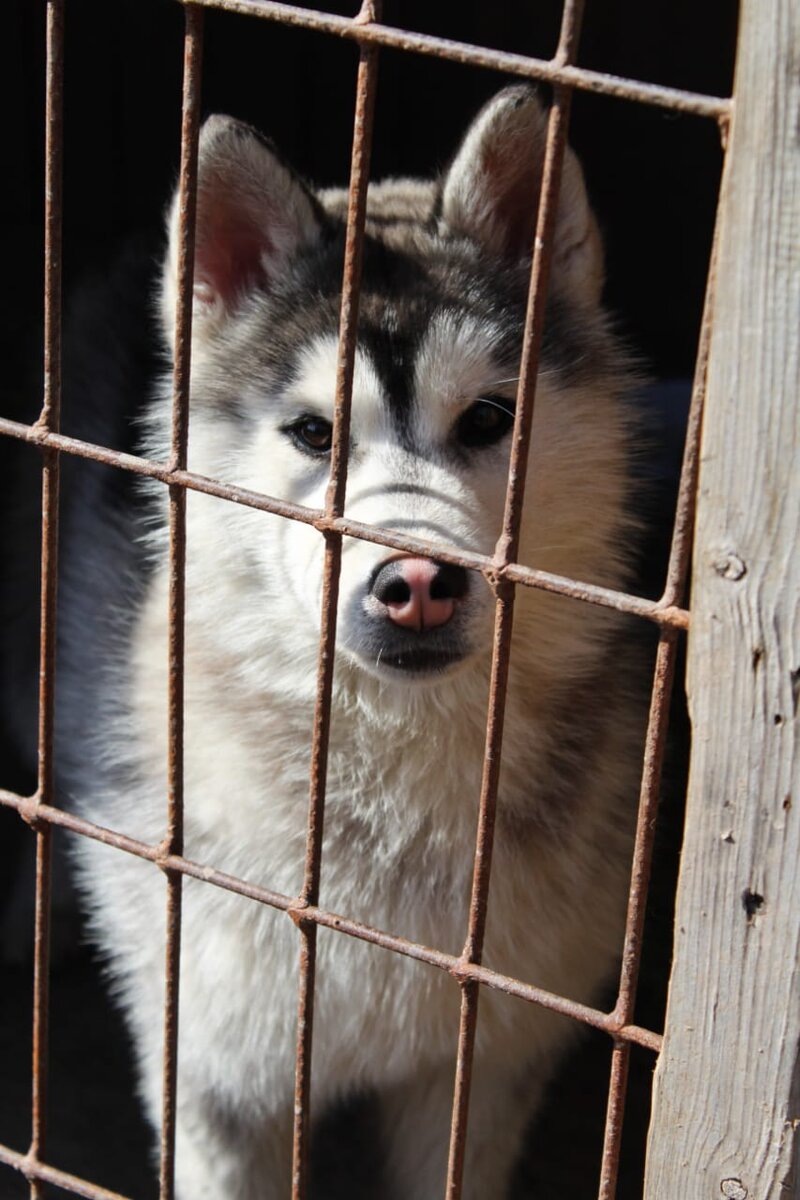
(411, 491)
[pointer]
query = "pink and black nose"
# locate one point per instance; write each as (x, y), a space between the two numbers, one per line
(417, 593)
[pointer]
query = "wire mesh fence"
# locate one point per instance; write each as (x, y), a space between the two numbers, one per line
(501, 570)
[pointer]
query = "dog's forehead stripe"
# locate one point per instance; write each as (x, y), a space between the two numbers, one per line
(405, 367)
(392, 353)
(382, 379)
(428, 327)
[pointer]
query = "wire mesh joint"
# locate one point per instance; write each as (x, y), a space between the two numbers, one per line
(296, 911)
(29, 811)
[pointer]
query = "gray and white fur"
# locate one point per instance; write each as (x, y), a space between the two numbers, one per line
(446, 266)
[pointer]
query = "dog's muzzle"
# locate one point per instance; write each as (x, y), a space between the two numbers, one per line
(412, 615)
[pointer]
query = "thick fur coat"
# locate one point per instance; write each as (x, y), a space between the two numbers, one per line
(446, 268)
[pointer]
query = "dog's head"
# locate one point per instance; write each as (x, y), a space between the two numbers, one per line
(443, 295)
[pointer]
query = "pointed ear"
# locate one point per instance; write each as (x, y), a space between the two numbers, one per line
(491, 194)
(253, 214)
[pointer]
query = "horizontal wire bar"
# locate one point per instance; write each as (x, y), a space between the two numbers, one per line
(462, 971)
(33, 1169)
(651, 610)
(694, 103)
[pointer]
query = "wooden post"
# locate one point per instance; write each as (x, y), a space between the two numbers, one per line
(726, 1098)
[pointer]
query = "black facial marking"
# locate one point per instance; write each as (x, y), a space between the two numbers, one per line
(402, 292)
(392, 355)
(398, 301)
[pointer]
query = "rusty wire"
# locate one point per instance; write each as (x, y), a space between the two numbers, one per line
(651, 610)
(38, 1172)
(334, 509)
(49, 421)
(554, 72)
(655, 747)
(455, 965)
(173, 841)
(506, 551)
(501, 570)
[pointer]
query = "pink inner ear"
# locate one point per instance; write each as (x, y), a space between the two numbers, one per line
(230, 252)
(516, 218)
(514, 183)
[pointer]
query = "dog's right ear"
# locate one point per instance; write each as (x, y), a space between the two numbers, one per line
(253, 214)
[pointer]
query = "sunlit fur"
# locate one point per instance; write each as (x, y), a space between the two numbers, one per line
(406, 751)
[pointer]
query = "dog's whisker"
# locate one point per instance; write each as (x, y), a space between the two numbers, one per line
(502, 382)
(504, 408)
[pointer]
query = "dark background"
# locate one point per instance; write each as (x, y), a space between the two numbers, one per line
(653, 177)
(652, 174)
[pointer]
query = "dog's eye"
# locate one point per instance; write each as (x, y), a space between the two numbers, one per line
(311, 433)
(485, 422)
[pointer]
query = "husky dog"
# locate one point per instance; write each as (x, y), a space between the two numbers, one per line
(446, 267)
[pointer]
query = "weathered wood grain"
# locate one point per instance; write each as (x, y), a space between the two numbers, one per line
(726, 1104)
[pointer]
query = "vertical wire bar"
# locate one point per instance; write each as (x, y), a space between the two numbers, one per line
(655, 747)
(49, 421)
(173, 842)
(683, 530)
(506, 553)
(645, 835)
(334, 508)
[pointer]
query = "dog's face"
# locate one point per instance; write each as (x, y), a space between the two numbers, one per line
(441, 314)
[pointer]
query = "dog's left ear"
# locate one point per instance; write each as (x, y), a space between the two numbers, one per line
(491, 194)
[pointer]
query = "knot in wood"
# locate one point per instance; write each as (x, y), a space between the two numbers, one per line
(733, 1189)
(728, 564)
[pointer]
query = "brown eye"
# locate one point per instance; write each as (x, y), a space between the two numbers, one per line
(311, 434)
(485, 422)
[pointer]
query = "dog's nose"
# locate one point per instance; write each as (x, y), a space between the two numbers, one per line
(418, 593)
